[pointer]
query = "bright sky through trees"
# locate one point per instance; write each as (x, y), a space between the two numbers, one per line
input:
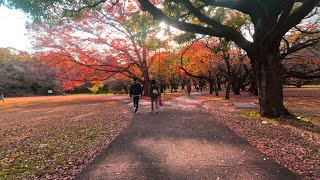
(12, 31)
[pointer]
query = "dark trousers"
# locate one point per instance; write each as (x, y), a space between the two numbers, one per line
(136, 103)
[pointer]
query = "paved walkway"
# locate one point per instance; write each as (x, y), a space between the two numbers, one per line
(182, 141)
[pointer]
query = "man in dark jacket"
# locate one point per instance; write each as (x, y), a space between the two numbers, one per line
(135, 92)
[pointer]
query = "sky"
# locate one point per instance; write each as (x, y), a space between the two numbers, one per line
(12, 30)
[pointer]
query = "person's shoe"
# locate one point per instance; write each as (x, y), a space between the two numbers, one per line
(156, 111)
(135, 110)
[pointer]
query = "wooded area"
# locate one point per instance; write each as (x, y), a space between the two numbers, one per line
(260, 45)
(264, 54)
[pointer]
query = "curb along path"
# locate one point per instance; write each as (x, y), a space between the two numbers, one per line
(182, 141)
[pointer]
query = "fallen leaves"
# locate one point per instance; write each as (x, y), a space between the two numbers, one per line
(294, 144)
(56, 139)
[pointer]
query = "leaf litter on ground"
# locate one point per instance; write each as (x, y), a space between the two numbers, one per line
(56, 138)
(294, 144)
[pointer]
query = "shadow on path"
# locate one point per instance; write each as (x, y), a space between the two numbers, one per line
(182, 141)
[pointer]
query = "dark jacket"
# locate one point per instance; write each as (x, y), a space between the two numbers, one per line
(151, 91)
(135, 89)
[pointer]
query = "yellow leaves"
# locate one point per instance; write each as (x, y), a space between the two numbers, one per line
(96, 87)
(195, 21)
(8, 54)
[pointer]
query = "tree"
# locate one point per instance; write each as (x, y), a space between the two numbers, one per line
(234, 70)
(200, 62)
(21, 74)
(116, 39)
(164, 67)
(302, 67)
(300, 55)
(271, 20)
(69, 73)
(211, 59)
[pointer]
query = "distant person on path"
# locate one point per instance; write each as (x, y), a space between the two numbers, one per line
(189, 89)
(135, 92)
(154, 94)
(2, 97)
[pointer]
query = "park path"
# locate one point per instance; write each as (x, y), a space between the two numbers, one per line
(182, 141)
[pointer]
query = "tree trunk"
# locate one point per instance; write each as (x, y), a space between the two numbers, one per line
(229, 77)
(146, 82)
(146, 87)
(216, 89)
(235, 87)
(228, 87)
(268, 73)
(211, 87)
(254, 88)
(219, 82)
(243, 88)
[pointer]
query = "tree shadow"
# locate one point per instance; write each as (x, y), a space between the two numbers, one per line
(299, 123)
(181, 143)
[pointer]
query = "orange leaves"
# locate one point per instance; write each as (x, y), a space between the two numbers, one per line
(199, 59)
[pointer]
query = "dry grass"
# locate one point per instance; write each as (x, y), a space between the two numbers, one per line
(55, 137)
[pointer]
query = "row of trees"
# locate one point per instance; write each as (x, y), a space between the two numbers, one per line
(21, 75)
(114, 38)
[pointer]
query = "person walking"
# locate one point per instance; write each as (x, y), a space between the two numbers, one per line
(154, 94)
(197, 88)
(2, 97)
(189, 89)
(135, 92)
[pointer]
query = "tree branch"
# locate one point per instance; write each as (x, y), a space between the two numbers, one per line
(299, 46)
(297, 15)
(244, 6)
(217, 30)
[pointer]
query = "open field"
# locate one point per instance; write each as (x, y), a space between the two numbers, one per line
(293, 143)
(56, 136)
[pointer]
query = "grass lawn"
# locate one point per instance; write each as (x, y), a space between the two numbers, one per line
(293, 143)
(54, 137)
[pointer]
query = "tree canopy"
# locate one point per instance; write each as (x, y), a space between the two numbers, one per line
(269, 22)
